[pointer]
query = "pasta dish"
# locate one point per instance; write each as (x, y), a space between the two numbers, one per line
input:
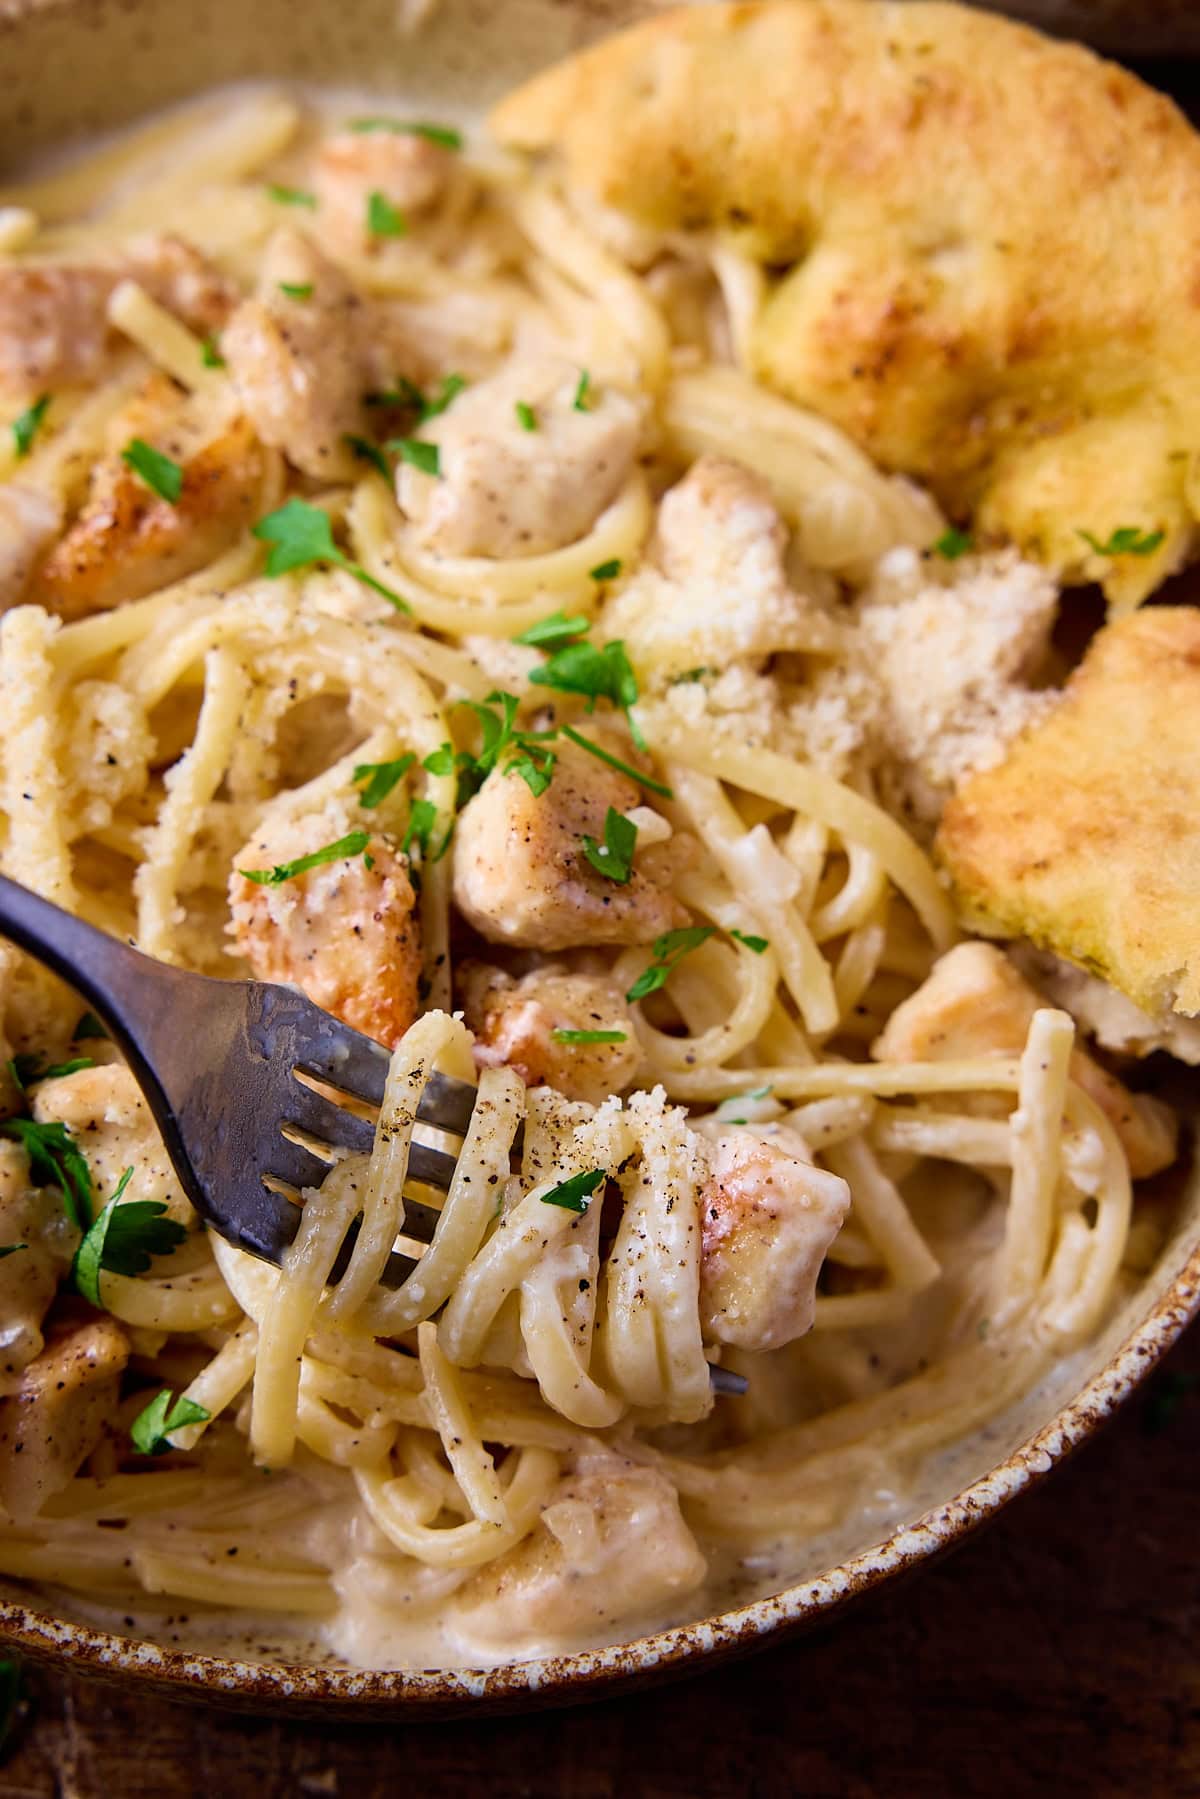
(424, 584)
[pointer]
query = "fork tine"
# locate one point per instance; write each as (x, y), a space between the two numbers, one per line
(447, 1103)
(298, 1166)
(325, 1119)
(332, 1052)
(432, 1167)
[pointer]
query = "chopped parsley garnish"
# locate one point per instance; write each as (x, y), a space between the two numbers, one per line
(597, 674)
(1126, 540)
(365, 451)
(55, 1158)
(440, 761)
(691, 674)
(450, 389)
(614, 857)
(10, 1249)
(151, 1428)
(668, 952)
(352, 844)
(384, 219)
(757, 944)
(535, 767)
(526, 416)
(421, 821)
(301, 535)
(297, 290)
(421, 455)
(583, 392)
(161, 474)
(589, 1036)
(728, 1108)
(625, 768)
(89, 1026)
(210, 356)
(124, 1240)
(445, 135)
(27, 1069)
(606, 571)
(26, 427)
(291, 196)
(380, 778)
(952, 544)
(405, 393)
(557, 629)
(573, 1194)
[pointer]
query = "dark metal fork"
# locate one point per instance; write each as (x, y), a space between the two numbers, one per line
(217, 1061)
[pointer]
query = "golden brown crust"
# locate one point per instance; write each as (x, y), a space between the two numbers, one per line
(981, 243)
(1085, 838)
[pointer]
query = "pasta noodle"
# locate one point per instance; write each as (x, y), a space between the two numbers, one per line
(541, 1383)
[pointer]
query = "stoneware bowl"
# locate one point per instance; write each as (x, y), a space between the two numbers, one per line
(70, 67)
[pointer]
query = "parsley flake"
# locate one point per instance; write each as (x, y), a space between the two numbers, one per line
(418, 453)
(26, 427)
(606, 571)
(301, 535)
(536, 768)
(1126, 540)
(291, 196)
(380, 778)
(10, 1249)
(450, 389)
(728, 1108)
(557, 629)
(152, 1427)
(55, 1158)
(668, 951)
(210, 355)
(160, 473)
(757, 944)
(441, 761)
(384, 219)
(526, 416)
(583, 392)
(297, 290)
(691, 674)
(589, 1036)
(445, 135)
(625, 768)
(573, 1194)
(25, 1070)
(365, 451)
(421, 820)
(89, 1026)
(614, 857)
(124, 1240)
(405, 393)
(952, 544)
(352, 844)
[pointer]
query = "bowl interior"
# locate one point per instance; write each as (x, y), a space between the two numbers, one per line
(70, 68)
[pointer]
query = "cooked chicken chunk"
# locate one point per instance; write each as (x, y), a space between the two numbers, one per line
(29, 1276)
(409, 171)
(345, 932)
(520, 873)
(507, 491)
(128, 540)
(105, 1110)
(976, 1004)
(515, 1025)
(610, 1548)
(54, 328)
(297, 360)
(55, 1418)
(715, 589)
(30, 520)
(1108, 1016)
(768, 1219)
(1084, 838)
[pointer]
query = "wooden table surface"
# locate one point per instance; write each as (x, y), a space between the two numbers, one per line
(1058, 1652)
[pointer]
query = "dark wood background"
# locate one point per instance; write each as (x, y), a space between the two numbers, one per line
(1058, 1652)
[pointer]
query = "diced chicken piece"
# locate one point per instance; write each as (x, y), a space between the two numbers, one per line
(409, 171)
(345, 932)
(715, 589)
(127, 540)
(55, 1419)
(1106, 1013)
(104, 1109)
(514, 1023)
(953, 650)
(975, 1003)
(506, 491)
(520, 873)
(610, 1548)
(296, 359)
(54, 328)
(767, 1221)
(29, 1277)
(30, 520)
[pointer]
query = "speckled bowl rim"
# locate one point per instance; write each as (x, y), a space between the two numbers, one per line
(595, 1673)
